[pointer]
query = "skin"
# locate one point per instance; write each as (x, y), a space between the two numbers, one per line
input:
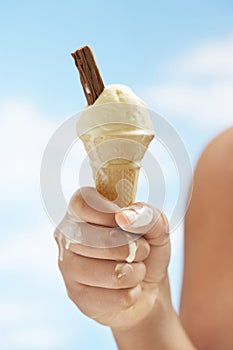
(207, 295)
(134, 298)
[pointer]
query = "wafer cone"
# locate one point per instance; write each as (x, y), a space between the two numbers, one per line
(115, 158)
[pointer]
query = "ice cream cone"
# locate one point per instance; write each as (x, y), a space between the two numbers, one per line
(116, 132)
(115, 158)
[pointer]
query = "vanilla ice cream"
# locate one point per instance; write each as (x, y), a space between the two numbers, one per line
(116, 104)
(116, 131)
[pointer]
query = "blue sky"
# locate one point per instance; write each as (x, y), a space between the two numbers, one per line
(177, 55)
(131, 41)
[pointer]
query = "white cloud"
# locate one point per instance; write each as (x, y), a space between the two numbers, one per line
(32, 338)
(22, 320)
(24, 133)
(13, 311)
(213, 58)
(202, 104)
(206, 100)
(36, 252)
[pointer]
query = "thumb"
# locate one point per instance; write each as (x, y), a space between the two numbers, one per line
(141, 218)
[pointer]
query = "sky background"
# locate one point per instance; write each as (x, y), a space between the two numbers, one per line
(176, 55)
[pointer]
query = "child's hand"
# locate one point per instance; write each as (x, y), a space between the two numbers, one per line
(100, 281)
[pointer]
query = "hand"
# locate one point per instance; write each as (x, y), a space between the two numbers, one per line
(100, 281)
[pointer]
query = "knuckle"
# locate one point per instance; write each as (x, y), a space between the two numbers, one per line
(67, 264)
(161, 221)
(160, 224)
(75, 292)
(60, 265)
(70, 293)
(164, 221)
(142, 271)
(130, 296)
(144, 249)
(127, 299)
(77, 203)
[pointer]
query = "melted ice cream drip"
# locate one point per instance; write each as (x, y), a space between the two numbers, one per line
(60, 237)
(68, 232)
(144, 216)
(132, 252)
(68, 242)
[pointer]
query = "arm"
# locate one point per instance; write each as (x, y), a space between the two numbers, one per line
(132, 299)
(207, 297)
(161, 330)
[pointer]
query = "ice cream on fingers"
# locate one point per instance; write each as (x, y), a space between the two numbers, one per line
(116, 131)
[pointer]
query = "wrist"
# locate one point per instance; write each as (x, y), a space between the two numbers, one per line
(161, 327)
(154, 321)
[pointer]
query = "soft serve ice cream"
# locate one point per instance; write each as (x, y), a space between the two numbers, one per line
(134, 111)
(116, 131)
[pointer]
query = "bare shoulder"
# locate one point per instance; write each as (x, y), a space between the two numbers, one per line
(218, 155)
(207, 303)
(213, 182)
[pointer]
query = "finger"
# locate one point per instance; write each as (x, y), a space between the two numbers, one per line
(141, 218)
(75, 231)
(120, 253)
(101, 273)
(88, 205)
(103, 304)
(144, 219)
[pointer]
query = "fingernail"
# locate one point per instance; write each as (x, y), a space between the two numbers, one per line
(126, 216)
(136, 216)
(123, 269)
